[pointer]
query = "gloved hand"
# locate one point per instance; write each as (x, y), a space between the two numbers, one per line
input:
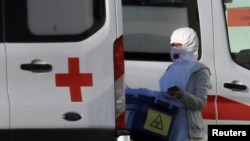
(175, 92)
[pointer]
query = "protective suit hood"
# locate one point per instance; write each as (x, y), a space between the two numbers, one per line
(189, 40)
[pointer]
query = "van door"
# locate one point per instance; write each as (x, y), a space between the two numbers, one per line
(4, 101)
(147, 29)
(60, 68)
(232, 60)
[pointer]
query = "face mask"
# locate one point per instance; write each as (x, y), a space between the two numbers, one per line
(177, 54)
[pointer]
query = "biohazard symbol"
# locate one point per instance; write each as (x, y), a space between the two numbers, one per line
(157, 123)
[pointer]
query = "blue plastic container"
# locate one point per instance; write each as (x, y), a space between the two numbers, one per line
(149, 114)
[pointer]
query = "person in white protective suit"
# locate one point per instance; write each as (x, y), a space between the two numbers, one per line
(192, 82)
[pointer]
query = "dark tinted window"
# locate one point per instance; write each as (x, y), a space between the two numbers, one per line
(52, 21)
(148, 25)
(1, 21)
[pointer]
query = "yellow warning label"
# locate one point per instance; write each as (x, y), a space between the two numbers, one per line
(157, 122)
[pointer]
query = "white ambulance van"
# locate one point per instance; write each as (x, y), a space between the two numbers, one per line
(62, 74)
(223, 27)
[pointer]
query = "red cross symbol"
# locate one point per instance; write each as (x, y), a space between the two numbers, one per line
(74, 80)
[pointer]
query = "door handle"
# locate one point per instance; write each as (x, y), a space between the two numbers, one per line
(37, 68)
(235, 86)
(72, 116)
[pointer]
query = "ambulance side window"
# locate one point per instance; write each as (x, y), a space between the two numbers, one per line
(238, 27)
(148, 25)
(52, 20)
